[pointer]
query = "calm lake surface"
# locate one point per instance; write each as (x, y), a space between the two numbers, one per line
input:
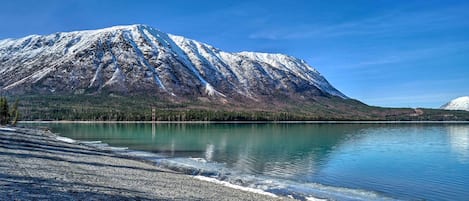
(336, 161)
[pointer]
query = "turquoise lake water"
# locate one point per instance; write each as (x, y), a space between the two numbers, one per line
(335, 161)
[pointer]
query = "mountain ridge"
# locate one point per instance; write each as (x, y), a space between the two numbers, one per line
(176, 65)
(460, 103)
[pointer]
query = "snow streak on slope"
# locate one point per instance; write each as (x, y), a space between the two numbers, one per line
(461, 103)
(139, 58)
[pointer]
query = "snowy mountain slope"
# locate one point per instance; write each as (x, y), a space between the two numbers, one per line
(141, 59)
(461, 103)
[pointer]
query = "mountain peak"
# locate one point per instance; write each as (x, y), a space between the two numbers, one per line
(122, 27)
(461, 103)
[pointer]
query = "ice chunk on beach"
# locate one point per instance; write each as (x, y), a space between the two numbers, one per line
(227, 184)
(65, 139)
(7, 129)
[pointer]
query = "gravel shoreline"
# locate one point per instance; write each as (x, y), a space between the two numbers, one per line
(34, 165)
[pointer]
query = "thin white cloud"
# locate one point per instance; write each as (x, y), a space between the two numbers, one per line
(392, 23)
(400, 56)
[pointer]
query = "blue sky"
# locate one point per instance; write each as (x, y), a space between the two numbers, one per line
(385, 53)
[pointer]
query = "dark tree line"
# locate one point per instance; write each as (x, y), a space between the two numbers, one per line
(139, 108)
(7, 115)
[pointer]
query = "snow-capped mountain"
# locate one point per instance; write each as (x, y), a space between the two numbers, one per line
(461, 103)
(140, 59)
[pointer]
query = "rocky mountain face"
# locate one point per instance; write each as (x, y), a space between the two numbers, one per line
(139, 59)
(461, 103)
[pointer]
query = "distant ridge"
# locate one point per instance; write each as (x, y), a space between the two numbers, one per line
(461, 103)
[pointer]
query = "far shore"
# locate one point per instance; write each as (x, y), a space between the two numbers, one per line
(250, 122)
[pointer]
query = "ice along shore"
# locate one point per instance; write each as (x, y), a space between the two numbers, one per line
(36, 165)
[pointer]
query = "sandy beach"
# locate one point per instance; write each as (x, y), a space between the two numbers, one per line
(34, 165)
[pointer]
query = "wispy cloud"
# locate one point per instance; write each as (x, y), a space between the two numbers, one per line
(392, 23)
(400, 56)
